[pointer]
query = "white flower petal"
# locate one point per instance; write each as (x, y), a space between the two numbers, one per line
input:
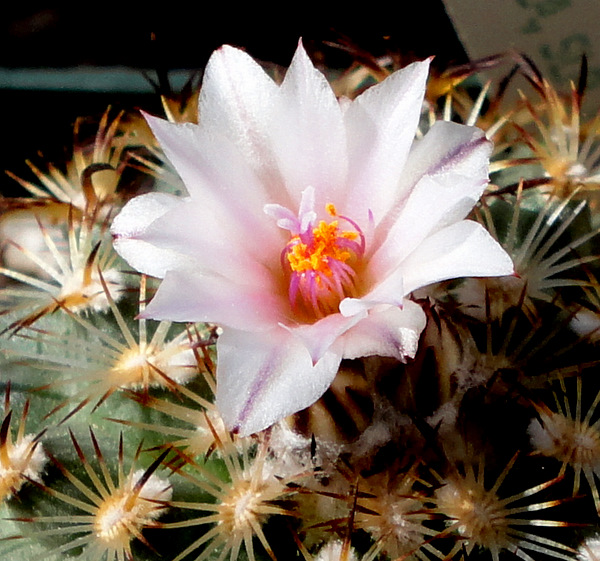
(464, 249)
(448, 177)
(307, 126)
(390, 291)
(264, 377)
(215, 241)
(236, 100)
(213, 168)
(190, 296)
(448, 148)
(318, 337)
(131, 223)
(381, 125)
(387, 331)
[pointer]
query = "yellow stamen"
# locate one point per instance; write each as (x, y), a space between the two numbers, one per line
(315, 257)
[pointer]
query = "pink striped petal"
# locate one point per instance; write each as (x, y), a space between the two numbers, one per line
(264, 377)
(450, 171)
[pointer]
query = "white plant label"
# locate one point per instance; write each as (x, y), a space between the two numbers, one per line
(553, 33)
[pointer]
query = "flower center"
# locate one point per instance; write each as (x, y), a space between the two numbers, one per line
(321, 262)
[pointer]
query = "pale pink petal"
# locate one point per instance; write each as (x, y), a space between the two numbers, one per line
(464, 249)
(264, 377)
(227, 202)
(388, 331)
(389, 291)
(450, 177)
(212, 166)
(236, 100)
(190, 296)
(448, 148)
(381, 125)
(318, 337)
(410, 230)
(307, 126)
(131, 223)
(215, 242)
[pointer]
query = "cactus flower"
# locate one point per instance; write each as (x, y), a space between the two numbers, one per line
(307, 224)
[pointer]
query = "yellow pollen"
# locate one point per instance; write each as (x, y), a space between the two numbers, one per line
(315, 257)
(321, 261)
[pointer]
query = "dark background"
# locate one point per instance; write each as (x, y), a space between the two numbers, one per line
(173, 36)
